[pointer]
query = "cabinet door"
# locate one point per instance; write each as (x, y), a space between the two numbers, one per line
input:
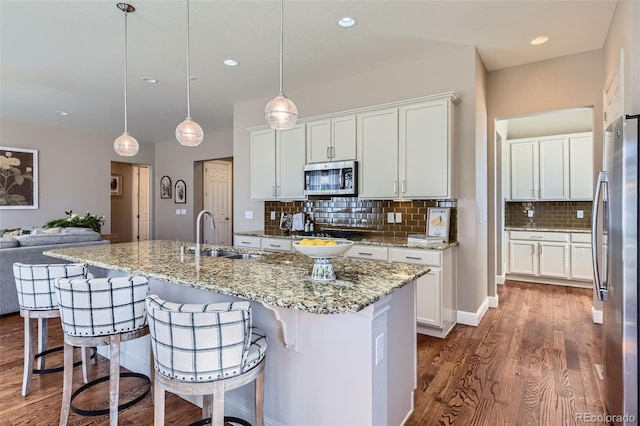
(377, 136)
(554, 169)
(343, 138)
(290, 151)
(524, 170)
(319, 141)
(581, 168)
(523, 258)
(581, 264)
(424, 150)
(276, 244)
(554, 259)
(263, 164)
(428, 299)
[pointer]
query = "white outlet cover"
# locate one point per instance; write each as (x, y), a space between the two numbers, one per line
(390, 217)
(398, 217)
(183, 211)
(273, 215)
(529, 213)
(248, 214)
(177, 211)
(379, 348)
(580, 214)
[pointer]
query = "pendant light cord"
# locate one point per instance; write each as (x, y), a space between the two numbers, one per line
(281, 44)
(125, 70)
(188, 69)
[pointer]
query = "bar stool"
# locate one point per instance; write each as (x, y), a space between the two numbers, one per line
(100, 312)
(205, 350)
(37, 302)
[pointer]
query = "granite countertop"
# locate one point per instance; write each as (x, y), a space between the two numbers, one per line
(377, 240)
(577, 231)
(275, 278)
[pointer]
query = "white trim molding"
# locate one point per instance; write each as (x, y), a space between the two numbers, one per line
(473, 318)
(500, 279)
(494, 301)
(596, 316)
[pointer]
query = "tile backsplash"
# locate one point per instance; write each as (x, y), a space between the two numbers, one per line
(548, 214)
(359, 214)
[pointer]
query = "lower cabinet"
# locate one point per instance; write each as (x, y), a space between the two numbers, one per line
(247, 241)
(276, 244)
(553, 257)
(436, 307)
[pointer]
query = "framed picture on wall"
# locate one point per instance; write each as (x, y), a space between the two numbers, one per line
(116, 185)
(165, 187)
(438, 219)
(18, 178)
(180, 193)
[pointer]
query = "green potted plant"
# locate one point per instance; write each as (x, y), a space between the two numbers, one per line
(89, 220)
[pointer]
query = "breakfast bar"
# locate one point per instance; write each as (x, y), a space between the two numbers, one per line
(340, 353)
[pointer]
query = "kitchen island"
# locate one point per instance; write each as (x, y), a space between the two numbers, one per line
(340, 353)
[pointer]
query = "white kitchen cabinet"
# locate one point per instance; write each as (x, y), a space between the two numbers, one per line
(277, 163)
(554, 259)
(276, 244)
(436, 307)
(407, 152)
(551, 168)
(426, 150)
(581, 261)
(581, 167)
(247, 241)
(331, 139)
(377, 137)
(361, 251)
(523, 257)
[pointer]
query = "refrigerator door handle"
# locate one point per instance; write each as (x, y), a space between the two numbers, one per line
(600, 290)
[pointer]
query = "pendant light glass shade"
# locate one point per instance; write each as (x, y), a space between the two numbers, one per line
(281, 113)
(189, 133)
(125, 144)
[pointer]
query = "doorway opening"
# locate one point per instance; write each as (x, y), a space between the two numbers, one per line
(131, 207)
(539, 150)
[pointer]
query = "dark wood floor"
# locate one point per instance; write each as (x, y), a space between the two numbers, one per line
(529, 362)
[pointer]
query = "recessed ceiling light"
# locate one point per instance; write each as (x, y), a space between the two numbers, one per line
(346, 22)
(230, 63)
(149, 80)
(62, 113)
(539, 40)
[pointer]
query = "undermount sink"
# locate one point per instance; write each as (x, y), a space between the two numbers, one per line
(229, 254)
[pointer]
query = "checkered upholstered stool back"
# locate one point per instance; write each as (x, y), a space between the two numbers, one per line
(102, 306)
(203, 343)
(35, 283)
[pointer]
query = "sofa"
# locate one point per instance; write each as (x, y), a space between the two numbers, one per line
(28, 248)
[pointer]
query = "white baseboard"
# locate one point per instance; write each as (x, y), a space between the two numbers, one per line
(233, 409)
(493, 301)
(500, 279)
(473, 318)
(596, 316)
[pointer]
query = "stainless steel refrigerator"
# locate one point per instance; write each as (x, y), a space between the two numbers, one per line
(615, 259)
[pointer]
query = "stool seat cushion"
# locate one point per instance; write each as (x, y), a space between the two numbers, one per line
(203, 342)
(102, 306)
(35, 283)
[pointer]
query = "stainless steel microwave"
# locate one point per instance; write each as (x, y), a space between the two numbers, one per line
(335, 178)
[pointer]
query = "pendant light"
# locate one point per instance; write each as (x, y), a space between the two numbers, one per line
(189, 133)
(281, 113)
(125, 145)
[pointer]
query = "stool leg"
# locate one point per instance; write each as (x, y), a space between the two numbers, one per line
(260, 399)
(217, 417)
(67, 383)
(114, 378)
(29, 334)
(206, 406)
(158, 403)
(86, 357)
(43, 330)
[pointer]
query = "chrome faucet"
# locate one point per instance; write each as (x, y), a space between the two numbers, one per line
(198, 220)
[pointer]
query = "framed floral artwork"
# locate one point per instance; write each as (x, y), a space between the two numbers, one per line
(18, 178)
(165, 187)
(180, 192)
(116, 185)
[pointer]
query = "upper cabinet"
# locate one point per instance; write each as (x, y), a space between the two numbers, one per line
(331, 139)
(277, 163)
(407, 151)
(551, 168)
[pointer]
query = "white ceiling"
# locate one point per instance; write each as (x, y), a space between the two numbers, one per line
(68, 55)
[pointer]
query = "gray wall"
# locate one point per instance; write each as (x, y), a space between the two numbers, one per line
(453, 71)
(567, 82)
(179, 162)
(74, 172)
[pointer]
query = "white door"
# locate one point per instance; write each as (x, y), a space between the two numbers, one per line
(581, 264)
(290, 159)
(428, 299)
(524, 170)
(217, 199)
(523, 258)
(554, 260)
(554, 169)
(263, 164)
(581, 167)
(140, 203)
